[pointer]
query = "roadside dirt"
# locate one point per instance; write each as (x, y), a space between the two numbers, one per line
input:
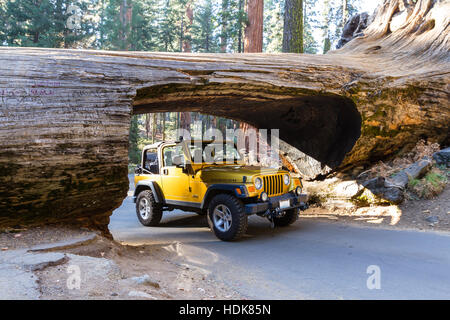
(109, 270)
(427, 215)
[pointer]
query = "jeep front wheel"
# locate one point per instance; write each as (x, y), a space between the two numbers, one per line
(227, 218)
(148, 211)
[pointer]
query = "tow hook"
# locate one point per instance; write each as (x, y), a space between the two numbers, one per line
(271, 215)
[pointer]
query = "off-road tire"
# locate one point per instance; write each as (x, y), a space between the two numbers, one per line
(239, 217)
(289, 218)
(155, 214)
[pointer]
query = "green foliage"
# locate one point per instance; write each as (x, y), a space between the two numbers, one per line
(133, 150)
(432, 184)
(273, 25)
(205, 23)
(311, 22)
(162, 25)
(44, 23)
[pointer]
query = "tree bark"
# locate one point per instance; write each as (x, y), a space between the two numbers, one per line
(240, 26)
(253, 34)
(293, 26)
(187, 33)
(224, 25)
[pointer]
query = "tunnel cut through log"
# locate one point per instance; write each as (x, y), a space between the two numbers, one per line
(324, 127)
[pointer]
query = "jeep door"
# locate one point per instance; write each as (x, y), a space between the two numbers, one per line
(150, 167)
(175, 181)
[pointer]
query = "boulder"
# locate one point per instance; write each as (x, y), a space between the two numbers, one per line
(382, 189)
(442, 157)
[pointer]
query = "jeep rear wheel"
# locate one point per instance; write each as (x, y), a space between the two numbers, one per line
(148, 211)
(226, 217)
(290, 216)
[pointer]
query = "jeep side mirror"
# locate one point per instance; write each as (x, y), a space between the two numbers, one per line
(138, 169)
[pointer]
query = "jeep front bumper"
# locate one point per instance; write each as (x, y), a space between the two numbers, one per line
(273, 203)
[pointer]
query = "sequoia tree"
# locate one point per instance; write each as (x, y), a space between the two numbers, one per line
(253, 34)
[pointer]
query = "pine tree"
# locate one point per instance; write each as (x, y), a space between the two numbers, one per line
(310, 22)
(3, 24)
(236, 21)
(133, 150)
(128, 25)
(273, 26)
(327, 17)
(204, 39)
(187, 46)
(45, 23)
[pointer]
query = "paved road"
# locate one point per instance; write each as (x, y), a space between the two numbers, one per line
(308, 260)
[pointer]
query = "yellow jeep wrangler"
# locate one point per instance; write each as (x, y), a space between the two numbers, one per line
(210, 177)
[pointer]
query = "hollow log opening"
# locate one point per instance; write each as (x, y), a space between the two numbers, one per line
(324, 127)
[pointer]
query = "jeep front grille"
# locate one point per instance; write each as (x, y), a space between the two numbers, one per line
(273, 185)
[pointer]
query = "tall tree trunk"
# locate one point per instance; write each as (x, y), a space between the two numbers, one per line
(126, 14)
(102, 18)
(253, 33)
(326, 44)
(154, 127)
(326, 30)
(181, 35)
(240, 26)
(187, 32)
(293, 26)
(185, 120)
(36, 37)
(344, 12)
(224, 23)
(164, 115)
(147, 125)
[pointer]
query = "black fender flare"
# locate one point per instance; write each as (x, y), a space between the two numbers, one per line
(152, 185)
(229, 188)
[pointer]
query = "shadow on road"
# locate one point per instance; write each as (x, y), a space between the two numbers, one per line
(190, 221)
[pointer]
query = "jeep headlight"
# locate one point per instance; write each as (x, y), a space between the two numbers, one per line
(258, 183)
(286, 179)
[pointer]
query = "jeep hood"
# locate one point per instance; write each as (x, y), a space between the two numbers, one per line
(236, 172)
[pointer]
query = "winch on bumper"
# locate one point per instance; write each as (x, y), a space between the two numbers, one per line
(277, 204)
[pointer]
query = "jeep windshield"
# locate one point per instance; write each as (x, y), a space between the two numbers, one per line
(215, 153)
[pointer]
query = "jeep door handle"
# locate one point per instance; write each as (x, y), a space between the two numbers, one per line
(165, 171)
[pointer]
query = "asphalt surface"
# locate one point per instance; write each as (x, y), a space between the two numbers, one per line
(308, 260)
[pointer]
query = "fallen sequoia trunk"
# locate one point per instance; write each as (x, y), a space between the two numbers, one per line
(65, 114)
